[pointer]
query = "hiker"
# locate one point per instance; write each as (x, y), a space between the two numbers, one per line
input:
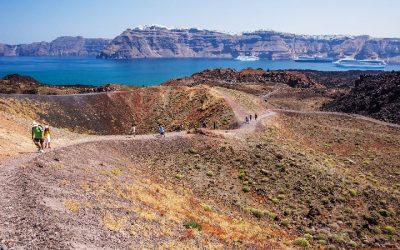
(255, 116)
(247, 120)
(215, 125)
(161, 130)
(133, 129)
(250, 117)
(46, 137)
(37, 136)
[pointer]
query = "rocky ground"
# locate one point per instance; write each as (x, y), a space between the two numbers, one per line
(295, 178)
(377, 96)
(18, 84)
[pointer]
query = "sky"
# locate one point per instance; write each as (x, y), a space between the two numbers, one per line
(25, 21)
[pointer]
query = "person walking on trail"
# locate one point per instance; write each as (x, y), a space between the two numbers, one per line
(255, 116)
(251, 117)
(46, 137)
(161, 130)
(133, 129)
(37, 136)
(247, 120)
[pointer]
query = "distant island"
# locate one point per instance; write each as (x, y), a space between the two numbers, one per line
(158, 42)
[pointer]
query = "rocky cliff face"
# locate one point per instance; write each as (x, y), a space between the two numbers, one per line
(61, 46)
(156, 42)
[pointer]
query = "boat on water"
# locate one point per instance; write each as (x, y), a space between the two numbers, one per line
(367, 63)
(247, 58)
(313, 59)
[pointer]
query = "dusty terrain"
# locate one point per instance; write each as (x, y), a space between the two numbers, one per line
(295, 178)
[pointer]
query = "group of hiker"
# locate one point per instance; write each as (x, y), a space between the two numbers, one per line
(41, 136)
(161, 130)
(250, 117)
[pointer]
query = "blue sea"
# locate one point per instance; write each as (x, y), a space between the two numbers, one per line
(89, 70)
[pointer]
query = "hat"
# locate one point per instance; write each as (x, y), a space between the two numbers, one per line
(47, 126)
(34, 124)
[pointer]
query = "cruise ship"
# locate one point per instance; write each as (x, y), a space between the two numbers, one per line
(247, 58)
(368, 63)
(313, 59)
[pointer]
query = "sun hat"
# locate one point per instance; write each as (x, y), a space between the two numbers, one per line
(47, 126)
(34, 124)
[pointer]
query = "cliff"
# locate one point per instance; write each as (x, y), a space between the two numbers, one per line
(61, 46)
(157, 41)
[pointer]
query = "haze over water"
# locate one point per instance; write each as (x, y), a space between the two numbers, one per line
(89, 70)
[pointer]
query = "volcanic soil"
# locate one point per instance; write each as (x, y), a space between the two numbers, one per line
(294, 178)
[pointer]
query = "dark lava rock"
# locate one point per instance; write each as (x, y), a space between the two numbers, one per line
(377, 96)
(294, 79)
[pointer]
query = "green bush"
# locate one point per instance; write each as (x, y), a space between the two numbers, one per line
(389, 230)
(353, 192)
(301, 242)
(191, 224)
(179, 176)
(308, 237)
(206, 207)
(352, 244)
(246, 189)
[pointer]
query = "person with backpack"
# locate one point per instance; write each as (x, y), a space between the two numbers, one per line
(133, 129)
(161, 130)
(255, 116)
(46, 137)
(37, 136)
(247, 120)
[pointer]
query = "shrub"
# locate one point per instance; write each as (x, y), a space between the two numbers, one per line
(384, 212)
(301, 242)
(271, 215)
(285, 223)
(322, 236)
(322, 242)
(206, 207)
(309, 237)
(193, 151)
(389, 230)
(353, 192)
(246, 189)
(274, 200)
(376, 230)
(352, 244)
(210, 173)
(256, 212)
(179, 176)
(192, 224)
(116, 171)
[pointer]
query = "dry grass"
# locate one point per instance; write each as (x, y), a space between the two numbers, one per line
(72, 205)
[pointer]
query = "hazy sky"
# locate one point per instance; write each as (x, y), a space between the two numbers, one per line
(23, 21)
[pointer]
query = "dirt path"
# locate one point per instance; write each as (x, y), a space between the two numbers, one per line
(356, 116)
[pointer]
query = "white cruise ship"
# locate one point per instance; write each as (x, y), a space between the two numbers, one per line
(247, 58)
(367, 63)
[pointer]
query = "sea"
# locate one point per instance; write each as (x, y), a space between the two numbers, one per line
(93, 71)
